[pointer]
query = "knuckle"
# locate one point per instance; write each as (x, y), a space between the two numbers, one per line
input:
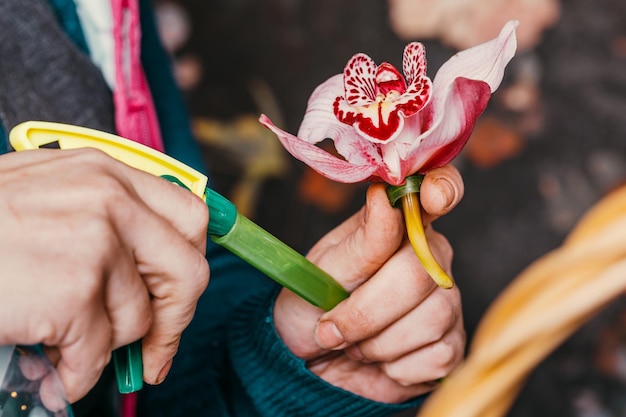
(444, 317)
(100, 230)
(356, 324)
(49, 331)
(161, 349)
(374, 352)
(84, 291)
(359, 257)
(397, 373)
(92, 156)
(100, 192)
(198, 209)
(135, 325)
(102, 170)
(198, 219)
(111, 191)
(102, 360)
(445, 356)
(103, 243)
(200, 276)
(140, 328)
(181, 294)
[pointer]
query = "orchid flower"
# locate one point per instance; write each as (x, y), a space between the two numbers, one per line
(388, 127)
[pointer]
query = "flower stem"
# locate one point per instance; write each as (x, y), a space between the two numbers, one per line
(417, 237)
(408, 194)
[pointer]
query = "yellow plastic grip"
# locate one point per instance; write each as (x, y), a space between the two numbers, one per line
(35, 134)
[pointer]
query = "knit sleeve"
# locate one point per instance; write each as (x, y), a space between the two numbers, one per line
(277, 382)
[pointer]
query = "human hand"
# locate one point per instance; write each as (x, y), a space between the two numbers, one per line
(96, 255)
(398, 332)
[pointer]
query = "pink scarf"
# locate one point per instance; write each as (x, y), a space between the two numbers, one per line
(135, 115)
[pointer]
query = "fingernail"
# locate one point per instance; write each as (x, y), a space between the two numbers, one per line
(328, 336)
(164, 371)
(446, 192)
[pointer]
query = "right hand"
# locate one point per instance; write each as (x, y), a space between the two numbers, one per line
(96, 255)
(398, 332)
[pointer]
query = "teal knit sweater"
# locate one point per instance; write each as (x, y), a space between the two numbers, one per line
(231, 361)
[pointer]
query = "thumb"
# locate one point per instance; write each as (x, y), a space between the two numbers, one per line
(442, 189)
(356, 249)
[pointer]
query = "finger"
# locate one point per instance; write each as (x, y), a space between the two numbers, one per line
(441, 190)
(128, 302)
(185, 211)
(358, 248)
(84, 355)
(116, 311)
(397, 288)
(436, 316)
(14, 160)
(342, 372)
(430, 363)
(52, 393)
(82, 339)
(176, 273)
(376, 304)
(33, 367)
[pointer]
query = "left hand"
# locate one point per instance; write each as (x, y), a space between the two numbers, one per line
(398, 332)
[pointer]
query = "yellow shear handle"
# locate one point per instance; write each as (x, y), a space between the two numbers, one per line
(35, 134)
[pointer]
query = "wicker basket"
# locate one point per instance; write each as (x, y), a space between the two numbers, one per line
(542, 307)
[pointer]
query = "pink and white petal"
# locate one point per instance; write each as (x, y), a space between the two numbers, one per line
(319, 121)
(461, 90)
(321, 161)
(357, 150)
(415, 98)
(359, 79)
(451, 129)
(485, 62)
(394, 164)
(414, 61)
(419, 86)
(382, 174)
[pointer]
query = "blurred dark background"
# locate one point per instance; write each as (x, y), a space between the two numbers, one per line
(551, 143)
